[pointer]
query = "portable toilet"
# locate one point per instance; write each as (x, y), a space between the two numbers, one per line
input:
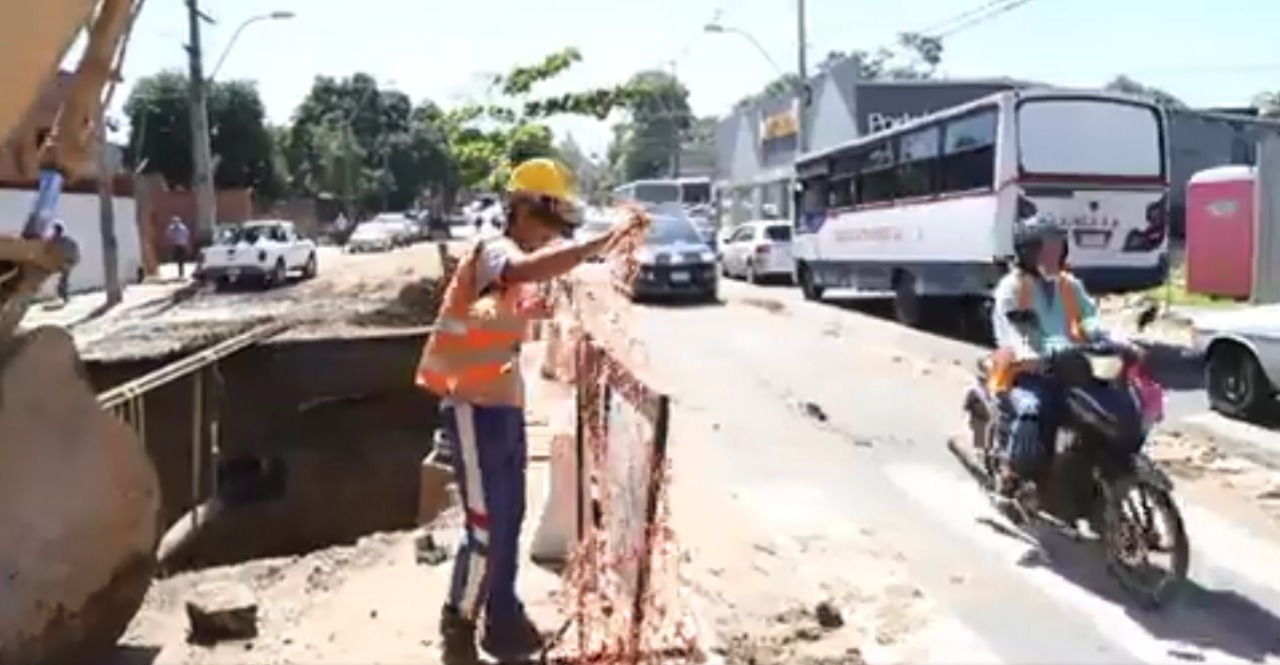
(1220, 223)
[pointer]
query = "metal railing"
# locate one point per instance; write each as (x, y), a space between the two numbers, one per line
(128, 401)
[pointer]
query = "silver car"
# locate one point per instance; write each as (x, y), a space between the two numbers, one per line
(1241, 349)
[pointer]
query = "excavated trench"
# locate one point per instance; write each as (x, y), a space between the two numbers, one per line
(318, 442)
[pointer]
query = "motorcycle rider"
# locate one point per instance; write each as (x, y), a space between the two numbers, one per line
(1039, 308)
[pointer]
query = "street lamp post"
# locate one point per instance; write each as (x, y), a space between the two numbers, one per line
(202, 152)
(273, 16)
(802, 68)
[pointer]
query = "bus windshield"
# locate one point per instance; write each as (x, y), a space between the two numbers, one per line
(1090, 137)
(656, 192)
(696, 193)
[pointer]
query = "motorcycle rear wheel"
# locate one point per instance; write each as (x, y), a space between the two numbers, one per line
(1129, 523)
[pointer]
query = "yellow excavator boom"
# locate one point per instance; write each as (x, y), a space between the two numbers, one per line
(34, 37)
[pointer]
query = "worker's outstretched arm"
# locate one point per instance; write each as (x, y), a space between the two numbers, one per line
(558, 259)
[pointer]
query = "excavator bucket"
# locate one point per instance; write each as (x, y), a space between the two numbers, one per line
(79, 505)
(33, 38)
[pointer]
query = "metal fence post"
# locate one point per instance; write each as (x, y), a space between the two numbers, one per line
(1266, 228)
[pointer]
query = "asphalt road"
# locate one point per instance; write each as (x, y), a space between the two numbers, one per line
(834, 418)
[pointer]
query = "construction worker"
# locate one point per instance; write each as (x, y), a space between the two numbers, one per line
(472, 362)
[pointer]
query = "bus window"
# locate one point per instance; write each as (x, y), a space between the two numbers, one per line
(969, 153)
(812, 203)
(696, 193)
(878, 180)
(919, 153)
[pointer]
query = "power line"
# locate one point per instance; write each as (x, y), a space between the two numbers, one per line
(961, 17)
(989, 15)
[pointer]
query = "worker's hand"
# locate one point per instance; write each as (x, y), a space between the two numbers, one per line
(632, 227)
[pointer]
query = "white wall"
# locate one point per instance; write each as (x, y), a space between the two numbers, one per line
(79, 212)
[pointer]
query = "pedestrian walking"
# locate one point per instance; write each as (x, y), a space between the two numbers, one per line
(57, 234)
(472, 362)
(178, 237)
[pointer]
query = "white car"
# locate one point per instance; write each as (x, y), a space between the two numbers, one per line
(403, 229)
(1241, 349)
(371, 237)
(757, 251)
(264, 251)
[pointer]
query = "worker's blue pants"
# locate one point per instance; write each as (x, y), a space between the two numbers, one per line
(1030, 413)
(489, 458)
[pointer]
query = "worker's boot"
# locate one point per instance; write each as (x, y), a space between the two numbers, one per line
(512, 639)
(458, 637)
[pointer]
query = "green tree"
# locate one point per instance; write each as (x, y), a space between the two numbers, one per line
(160, 142)
(371, 147)
(914, 56)
(659, 119)
(485, 141)
(1124, 84)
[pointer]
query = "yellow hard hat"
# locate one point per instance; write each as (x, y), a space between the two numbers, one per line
(542, 177)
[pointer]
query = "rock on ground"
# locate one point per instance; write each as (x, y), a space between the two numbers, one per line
(222, 611)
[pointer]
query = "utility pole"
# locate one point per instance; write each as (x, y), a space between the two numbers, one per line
(676, 143)
(107, 217)
(1266, 224)
(802, 85)
(201, 153)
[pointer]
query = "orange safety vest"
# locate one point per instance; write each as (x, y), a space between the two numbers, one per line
(473, 354)
(1005, 368)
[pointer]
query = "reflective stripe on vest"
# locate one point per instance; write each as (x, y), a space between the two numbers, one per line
(473, 354)
(1005, 368)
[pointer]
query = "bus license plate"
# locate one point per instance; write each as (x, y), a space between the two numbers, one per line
(679, 277)
(1093, 239)
(233, 273)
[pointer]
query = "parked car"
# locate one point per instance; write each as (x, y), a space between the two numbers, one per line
(675, 261)
(1241, 350)
(758, 250)
(264, 251)
(403, 229)
(371, 237)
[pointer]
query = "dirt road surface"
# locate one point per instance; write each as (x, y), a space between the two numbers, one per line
(811, 473)
(351, 293)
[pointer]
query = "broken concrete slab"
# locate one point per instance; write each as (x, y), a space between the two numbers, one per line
(222, 611)
(79, 502)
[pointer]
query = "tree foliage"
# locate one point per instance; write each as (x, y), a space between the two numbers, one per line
(159, 113)
(369, 146)
(486, 140)
(914, 56)
(657, 127)
(1124, 84)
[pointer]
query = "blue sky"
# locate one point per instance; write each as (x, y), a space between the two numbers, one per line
(1208, 53)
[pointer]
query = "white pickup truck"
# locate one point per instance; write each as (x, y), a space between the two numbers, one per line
(263, 251)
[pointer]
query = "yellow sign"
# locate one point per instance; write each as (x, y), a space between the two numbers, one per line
(779, 126)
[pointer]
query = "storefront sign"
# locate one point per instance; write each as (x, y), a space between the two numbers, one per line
(779, 125)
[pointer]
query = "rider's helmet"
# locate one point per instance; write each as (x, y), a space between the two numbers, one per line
(1029, 236)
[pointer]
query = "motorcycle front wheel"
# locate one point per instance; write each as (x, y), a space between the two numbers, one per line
(1140, 523)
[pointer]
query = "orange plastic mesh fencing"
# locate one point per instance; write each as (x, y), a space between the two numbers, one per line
(624, 598)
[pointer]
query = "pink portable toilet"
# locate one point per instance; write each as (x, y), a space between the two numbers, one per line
(1220, 221)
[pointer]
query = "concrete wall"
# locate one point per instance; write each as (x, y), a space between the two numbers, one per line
(80, 214)
(341, 417)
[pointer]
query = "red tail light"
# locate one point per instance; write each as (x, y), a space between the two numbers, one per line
(761, 250)
(1153, 236)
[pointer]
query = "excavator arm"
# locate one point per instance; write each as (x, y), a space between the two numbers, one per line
(34, 36)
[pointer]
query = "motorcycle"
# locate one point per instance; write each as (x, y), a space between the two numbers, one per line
(1096, 472)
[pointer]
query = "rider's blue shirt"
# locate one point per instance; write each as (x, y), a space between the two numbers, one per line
(1053, 331)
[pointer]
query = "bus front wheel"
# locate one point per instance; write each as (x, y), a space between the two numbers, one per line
(810, 290)
(906, 302)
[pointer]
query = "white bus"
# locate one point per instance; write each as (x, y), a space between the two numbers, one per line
(686, 191)
(926, 209)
